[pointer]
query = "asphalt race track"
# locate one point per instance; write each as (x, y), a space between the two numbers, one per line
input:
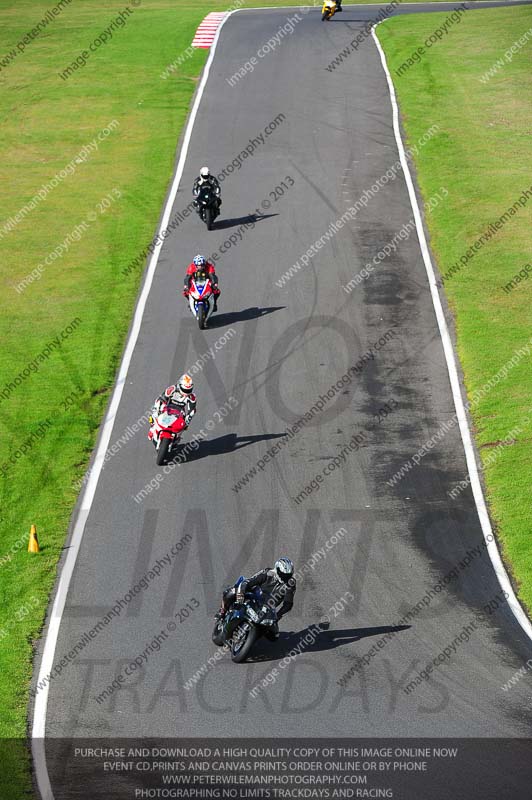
(286, 346)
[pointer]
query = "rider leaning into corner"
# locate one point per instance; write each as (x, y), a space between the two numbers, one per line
(200, 264)
(206, 179)
(277, 582)
(180, 396)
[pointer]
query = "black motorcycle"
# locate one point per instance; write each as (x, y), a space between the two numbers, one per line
(208, 205)
(244, 623)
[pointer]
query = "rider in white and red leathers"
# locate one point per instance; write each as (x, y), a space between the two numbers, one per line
(180, 395)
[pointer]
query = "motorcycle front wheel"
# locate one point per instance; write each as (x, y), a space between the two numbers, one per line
(209, 218)
(218, 634)
(242, 641)
(201, 316)
(162, 452)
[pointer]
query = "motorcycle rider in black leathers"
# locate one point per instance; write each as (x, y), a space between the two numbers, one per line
(278, 583)
(205, 178)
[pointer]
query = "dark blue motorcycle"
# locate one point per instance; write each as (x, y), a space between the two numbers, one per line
(245, 622)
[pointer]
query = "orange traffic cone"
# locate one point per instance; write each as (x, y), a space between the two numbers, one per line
(33, 544)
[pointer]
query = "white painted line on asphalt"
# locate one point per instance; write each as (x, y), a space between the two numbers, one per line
(421, 5)
(47, 662)
(476, 486)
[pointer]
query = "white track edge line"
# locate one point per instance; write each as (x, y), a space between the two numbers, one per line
(476, 485)
(421, 3)
(41, 697)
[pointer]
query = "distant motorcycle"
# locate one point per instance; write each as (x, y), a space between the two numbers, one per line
(165, 431)
(328, 9)
(207, 205)
(201, 299)
(244, 623)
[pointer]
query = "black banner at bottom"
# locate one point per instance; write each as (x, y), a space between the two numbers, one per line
(285, 769)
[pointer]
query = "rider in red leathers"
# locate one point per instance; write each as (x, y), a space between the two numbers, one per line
(200, 263)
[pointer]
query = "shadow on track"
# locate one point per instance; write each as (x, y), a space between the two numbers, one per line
(227, 444)
(325, 640)
(236, 221)
(232, 317)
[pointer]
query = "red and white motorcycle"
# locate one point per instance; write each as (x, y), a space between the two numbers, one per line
(201, 299)
(165, 431)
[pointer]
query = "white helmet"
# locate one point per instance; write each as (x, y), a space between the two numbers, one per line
(185, 384)
(204, 172)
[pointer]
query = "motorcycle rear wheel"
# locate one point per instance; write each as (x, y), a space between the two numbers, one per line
(162, 452)
(244, 646)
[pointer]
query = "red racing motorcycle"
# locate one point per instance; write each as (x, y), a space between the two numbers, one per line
(165, 431)
(201, 298)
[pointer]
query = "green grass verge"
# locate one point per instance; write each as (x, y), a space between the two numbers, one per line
(483, 156)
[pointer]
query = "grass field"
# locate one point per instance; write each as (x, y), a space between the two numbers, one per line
(67, 304)
(481, 99)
